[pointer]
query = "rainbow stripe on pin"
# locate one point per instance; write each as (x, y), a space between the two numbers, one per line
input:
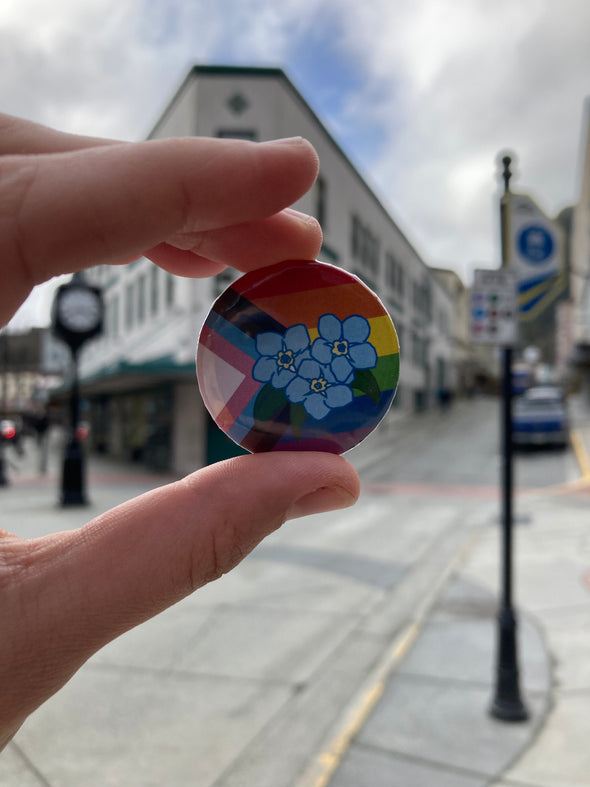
(298, 356)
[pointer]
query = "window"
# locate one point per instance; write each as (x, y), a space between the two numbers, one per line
(422, 297)
(129, 315)
(365, 248)
(108, 319)
(320, 201)
(419, 349)
(169, 290)
(141, 287)
(394, 274)
(154, 290)
(115, 317)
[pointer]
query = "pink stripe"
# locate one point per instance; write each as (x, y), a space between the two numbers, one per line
(242, 396)
(227, 351)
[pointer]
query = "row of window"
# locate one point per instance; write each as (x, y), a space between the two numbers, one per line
(365, 249)
(394, 274)
(419, 349)
(422, 298)
(146, 296)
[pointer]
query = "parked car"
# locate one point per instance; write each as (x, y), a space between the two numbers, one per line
(540, 420)
(545, 392)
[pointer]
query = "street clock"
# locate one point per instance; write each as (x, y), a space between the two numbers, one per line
(78, 312)
(77, 315)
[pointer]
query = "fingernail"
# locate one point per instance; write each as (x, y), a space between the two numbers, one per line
(285, 141)
(305, 218)
(326, 499)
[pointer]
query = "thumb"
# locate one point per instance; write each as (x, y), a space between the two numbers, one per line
(80, 589)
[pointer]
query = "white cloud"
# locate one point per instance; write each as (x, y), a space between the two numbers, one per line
(470, 79)
(449, 83)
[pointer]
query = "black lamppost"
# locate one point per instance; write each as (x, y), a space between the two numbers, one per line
(77, 316)
(507, 703)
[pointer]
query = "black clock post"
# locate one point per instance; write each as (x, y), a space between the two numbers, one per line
(77, 316)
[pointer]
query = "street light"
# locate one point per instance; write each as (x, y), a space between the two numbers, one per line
(77, 316)
(507, 703)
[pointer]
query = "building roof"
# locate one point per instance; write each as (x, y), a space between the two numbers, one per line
(279, 74)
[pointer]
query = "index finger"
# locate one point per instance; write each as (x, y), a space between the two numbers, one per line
(64, 212)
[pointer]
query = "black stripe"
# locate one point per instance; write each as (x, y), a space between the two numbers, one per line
(245, 315)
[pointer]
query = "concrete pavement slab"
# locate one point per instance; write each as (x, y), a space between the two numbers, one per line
(465, 650)
(375, 571)
(446, 724)
(264, 644)
(560, 755)
(284, 747)
(159, 643)
(566, 588)
(380, 769)
(148, 728)
(15, 768)
(569, 641)
(276, 585)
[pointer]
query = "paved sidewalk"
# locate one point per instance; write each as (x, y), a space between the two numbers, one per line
(422, 718)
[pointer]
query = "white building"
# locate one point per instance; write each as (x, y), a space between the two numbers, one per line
(140, 376)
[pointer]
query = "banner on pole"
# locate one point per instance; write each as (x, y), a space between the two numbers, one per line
(535, 255)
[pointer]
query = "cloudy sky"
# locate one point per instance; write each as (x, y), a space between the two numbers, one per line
(421, 94)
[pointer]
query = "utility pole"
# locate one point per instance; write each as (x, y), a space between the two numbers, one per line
(507, 703)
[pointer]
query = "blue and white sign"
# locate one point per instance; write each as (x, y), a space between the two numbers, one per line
(535, 246)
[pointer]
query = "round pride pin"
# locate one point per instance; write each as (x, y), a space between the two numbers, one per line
(298, 356)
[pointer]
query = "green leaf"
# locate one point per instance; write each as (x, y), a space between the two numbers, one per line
(364, 381)
(269, 402)
(297, 416)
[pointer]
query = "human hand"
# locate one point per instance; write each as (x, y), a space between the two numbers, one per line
(192, 206)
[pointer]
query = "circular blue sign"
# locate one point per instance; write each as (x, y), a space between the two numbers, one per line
(535, 244)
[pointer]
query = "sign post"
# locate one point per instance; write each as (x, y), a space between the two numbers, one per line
(494, 314)
(507, 703)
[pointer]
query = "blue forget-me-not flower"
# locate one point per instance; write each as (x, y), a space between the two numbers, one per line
(343, 346)
(280, 355)
(316, 387)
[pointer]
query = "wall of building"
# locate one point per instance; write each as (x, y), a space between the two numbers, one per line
(359, 235)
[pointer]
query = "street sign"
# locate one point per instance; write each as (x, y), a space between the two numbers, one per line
(494, 314)
(535, 251)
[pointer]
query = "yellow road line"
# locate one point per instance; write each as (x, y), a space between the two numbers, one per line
(323, 768)
(331, 757)
(581, 454)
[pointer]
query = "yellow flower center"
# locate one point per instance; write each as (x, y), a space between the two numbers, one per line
(319, 385)
(285, 359)
(340, 348)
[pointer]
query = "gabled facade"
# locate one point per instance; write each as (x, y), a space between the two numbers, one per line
(140, 374)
